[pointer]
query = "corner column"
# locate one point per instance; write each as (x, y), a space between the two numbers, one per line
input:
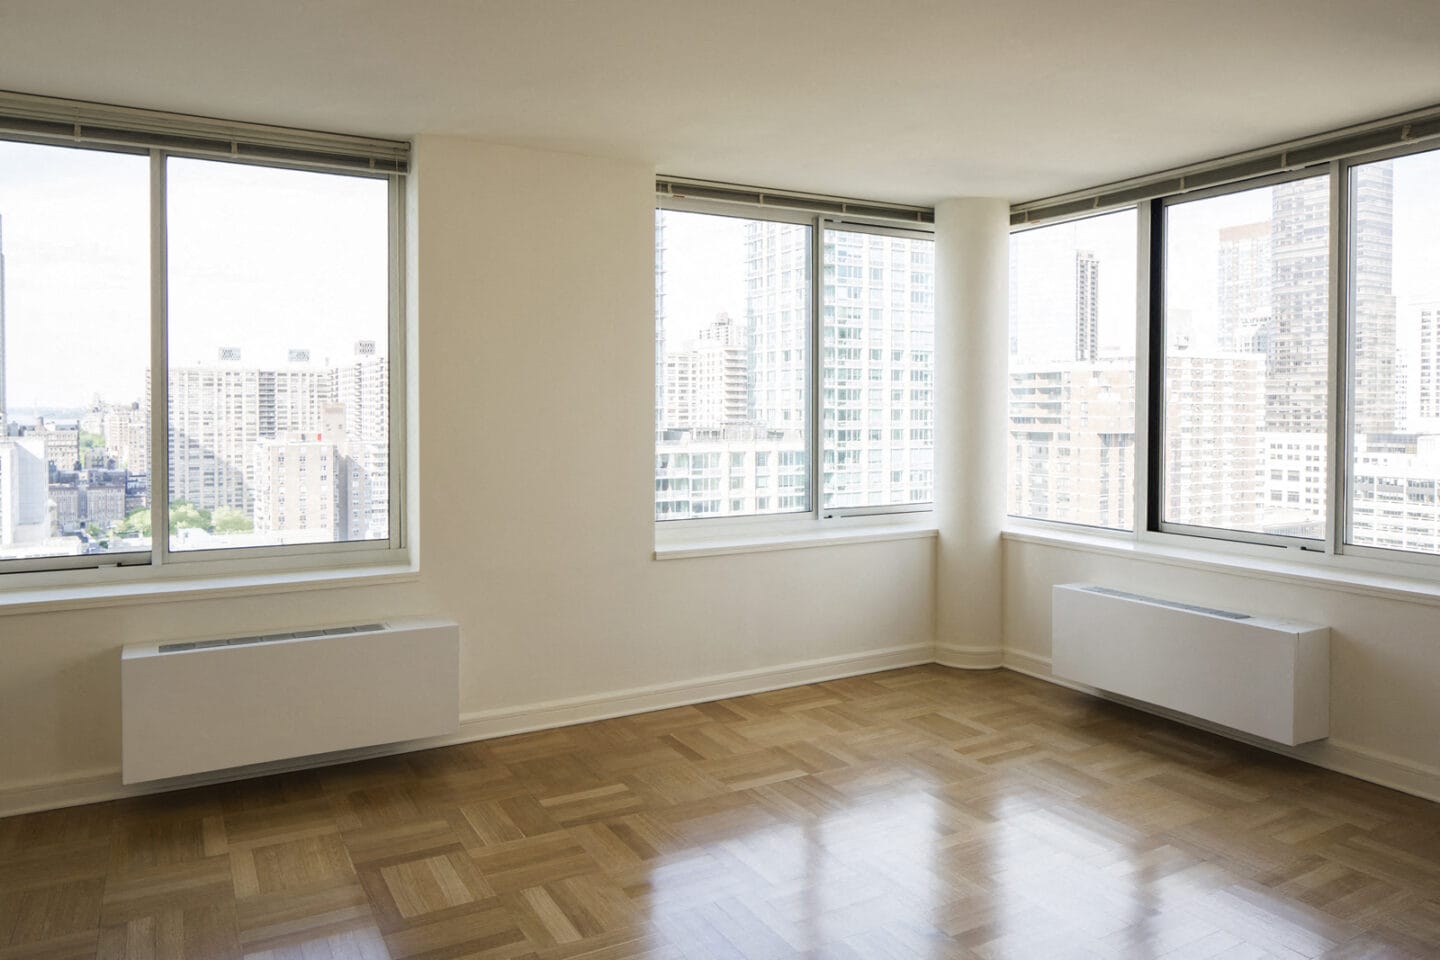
(972, 261)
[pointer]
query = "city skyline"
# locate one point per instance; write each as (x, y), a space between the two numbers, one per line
(733, 388)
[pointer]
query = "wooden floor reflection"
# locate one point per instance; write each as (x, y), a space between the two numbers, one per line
(911, 814)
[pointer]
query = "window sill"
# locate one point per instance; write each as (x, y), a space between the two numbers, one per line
(683, 545)
(1319, 572)
(51, 599)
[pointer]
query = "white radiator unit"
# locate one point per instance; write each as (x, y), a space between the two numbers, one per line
(1258, 675)
(197, 706)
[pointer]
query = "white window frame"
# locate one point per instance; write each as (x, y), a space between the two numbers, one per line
(1138, 480)
(816, 517)
(264, 147)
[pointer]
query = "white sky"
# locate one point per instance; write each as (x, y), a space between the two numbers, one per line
(1044, 287)
(704, 272)
(261, 259)
(1046, 256)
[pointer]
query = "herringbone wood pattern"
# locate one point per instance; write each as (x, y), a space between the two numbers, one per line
(912, 814)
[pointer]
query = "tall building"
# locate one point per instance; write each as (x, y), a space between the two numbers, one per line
(1373, 319)
(298, 488)
(1214, 440)
(1297, 388)
(1427, 376)
(1245, 279)
(1087, 306)
(24, 492)
(705, 385)
(777, 317)
(362, 387)
(218, 413)
(1072, 442)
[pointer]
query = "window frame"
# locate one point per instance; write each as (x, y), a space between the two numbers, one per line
(160, 562)
(818, 222)
(1138, 481)
(1342, 459)
(1156, 256)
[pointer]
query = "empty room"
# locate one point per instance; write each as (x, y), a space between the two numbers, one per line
(611, 479)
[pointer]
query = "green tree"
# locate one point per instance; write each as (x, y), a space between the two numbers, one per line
(231, 520)
(135, 524)
(184, 514)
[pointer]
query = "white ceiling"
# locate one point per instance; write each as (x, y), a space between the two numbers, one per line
(903, 100)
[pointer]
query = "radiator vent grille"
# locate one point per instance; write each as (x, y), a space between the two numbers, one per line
(268, 638)
(1193, 608)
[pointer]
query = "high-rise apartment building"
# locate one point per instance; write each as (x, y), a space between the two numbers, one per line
(1373, 307)
(1087, 306)
(1072, 440)
(362, 387)
(219, 412)
(24, 492)
(706, 384)
(1297, 388)
(877, 364)
(126, 429)
(303, 483)
(1427, 365)
(1296, 396)
(1214, 454)
(1245, 280)
(777, 314)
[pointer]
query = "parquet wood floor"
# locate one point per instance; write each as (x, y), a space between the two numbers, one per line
(920, 813)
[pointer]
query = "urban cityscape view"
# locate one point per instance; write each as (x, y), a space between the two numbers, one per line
(733, 367)
(1246, 418)
(269, 442)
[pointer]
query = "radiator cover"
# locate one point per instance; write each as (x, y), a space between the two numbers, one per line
(216, 706)
(1262, 676)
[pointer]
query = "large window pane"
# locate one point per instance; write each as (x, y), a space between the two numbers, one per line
(74, 351)
(1394, 408)
(1072, 372)
(1246, 330)
(877, 368)
(278, 337)
(732, 348)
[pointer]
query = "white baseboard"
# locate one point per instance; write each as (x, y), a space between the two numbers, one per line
(968, 658)
(96, 785)
(1338, 755)
(101, 784)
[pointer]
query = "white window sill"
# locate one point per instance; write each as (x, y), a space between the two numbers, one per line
(50, 599)
(688, 542)
(1345, 574)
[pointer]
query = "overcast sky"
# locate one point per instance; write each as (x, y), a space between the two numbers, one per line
(1047, 258)
(261, 259)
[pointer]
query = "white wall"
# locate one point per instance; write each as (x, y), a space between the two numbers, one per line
(1384, 653)
(535, 368)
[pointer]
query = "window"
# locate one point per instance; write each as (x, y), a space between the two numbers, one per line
(1246, 356)
(1279, 413)
(868, 257)
(276, 317)
(1072, 372)
(750, 369)
(733, 354)
(1394, 372)
(74, 325)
